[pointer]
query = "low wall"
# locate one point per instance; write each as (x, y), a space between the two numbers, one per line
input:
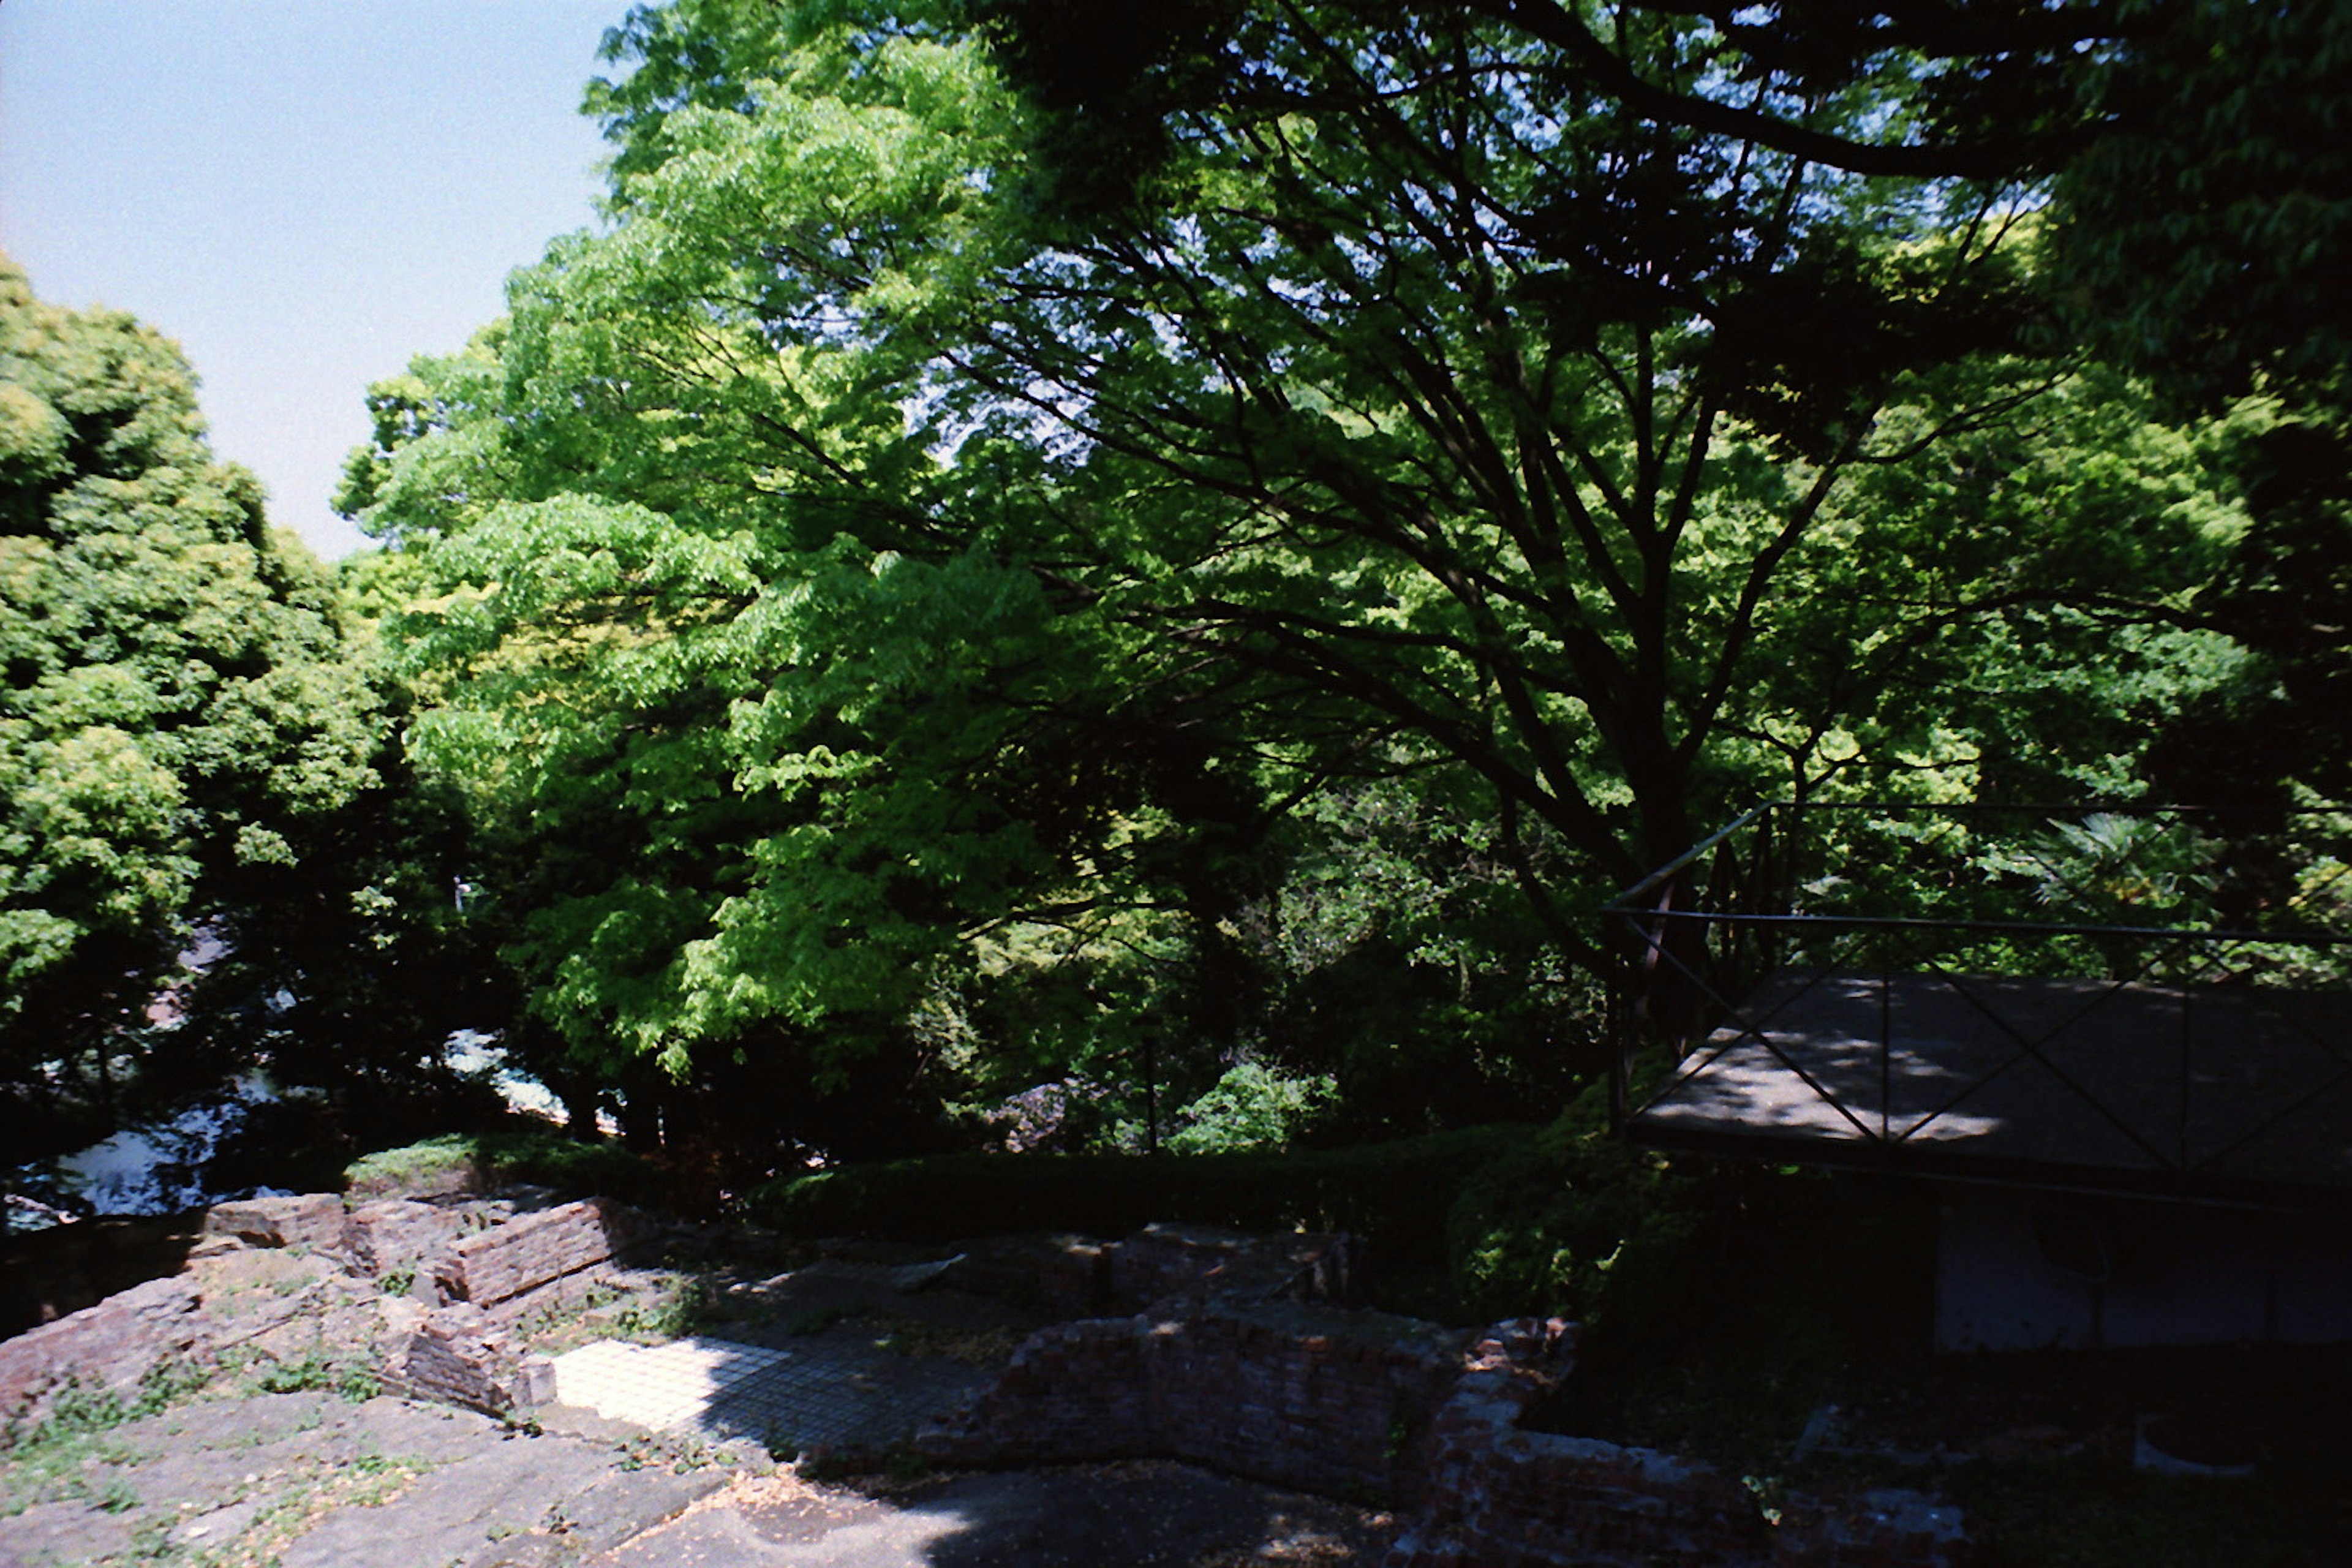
(1242, 1364)
(1500, 1496)
(473, 1271)
(1298, 1395)
(1161, 1268)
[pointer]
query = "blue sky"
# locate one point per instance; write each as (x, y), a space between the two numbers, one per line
(304, 193)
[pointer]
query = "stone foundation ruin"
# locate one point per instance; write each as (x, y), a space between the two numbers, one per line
(1247, 1354)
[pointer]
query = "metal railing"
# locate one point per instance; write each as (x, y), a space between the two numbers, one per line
(2183, 908)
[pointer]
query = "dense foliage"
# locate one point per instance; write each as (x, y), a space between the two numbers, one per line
(979, 536)
(1126, 579)
(179, 710)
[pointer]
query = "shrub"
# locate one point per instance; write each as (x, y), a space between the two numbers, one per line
(473, 1160)
(1570, 1223)
(1469, 1225)
(1252, 1107)
(1394, 1194)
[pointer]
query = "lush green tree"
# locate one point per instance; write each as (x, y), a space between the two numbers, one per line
(178, 703)
(2205, 226)
(966, 501)
(2202, 238)
(1521, 387)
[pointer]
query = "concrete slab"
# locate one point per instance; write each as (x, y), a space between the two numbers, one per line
(1139, 1514)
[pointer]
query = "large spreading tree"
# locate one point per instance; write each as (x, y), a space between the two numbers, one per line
(995, 462)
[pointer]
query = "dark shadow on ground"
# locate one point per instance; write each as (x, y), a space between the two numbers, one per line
(1133, 1514)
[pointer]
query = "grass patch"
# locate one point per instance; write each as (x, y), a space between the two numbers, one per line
(351, 1380)
(457, 1162)
(64, 1454)
(1396, 1196)
(671, 1313)
(448, 1164)
(673, 1306)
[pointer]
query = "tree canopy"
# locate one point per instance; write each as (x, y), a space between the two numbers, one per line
(1000, 498)
(178, 705)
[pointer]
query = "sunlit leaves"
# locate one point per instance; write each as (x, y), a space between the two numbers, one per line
(885, 536)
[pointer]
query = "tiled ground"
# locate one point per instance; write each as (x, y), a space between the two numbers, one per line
(830, 1393)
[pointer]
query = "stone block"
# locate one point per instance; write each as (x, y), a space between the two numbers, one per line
(395, 1233)
(532, 1250)
(311, 1219)
(113, 1344)
(536, 1386)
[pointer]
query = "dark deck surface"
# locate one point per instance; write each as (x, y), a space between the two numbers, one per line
(2230, 1092)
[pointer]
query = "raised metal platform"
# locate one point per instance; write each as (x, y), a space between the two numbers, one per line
(2153, 1002)
(2213, 1092)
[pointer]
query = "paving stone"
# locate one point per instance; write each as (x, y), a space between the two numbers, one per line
(207, 1477)
(451, 1513)
(580, 1421)
(220, 1526)
(435, 1433)
(525, 1552)
(231, 1430)
(53, 1534)
(621, 1504)
(819, 1394)
(717, 1539)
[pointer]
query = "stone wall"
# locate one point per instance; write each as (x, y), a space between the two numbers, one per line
(1500, 1496)
(429, 1293)
(1242, 1362)
(1164, 1265)
(1298, 1395)
(112, 1345)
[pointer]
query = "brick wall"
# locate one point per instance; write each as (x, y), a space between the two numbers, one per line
(1241, 1363)
(477, 1269)
(1499, 1496)
(1298, 1396)
(532, 1250)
